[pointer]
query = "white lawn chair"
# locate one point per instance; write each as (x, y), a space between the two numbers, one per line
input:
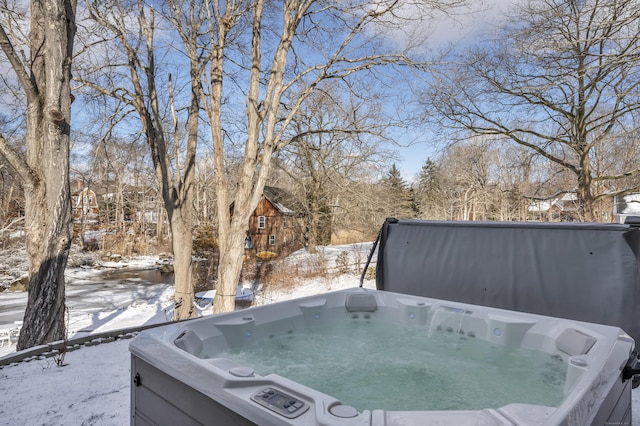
(202, 305)
(5, 337)
(14, 332)
(168, 312)
(204, 301)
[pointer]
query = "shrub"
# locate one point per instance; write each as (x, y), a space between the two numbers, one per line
(342, 262)
(204, 239)
(371, 273)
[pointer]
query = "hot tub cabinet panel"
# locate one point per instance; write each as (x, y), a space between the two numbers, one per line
(187, 373)
(163, 400)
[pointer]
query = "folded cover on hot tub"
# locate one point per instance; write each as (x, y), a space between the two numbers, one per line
(582, 271)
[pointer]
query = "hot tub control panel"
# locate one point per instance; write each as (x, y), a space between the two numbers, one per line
(280, 402)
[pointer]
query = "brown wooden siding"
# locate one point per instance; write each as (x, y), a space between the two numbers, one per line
(286, 229)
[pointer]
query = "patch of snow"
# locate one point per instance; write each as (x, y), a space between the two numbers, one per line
(92, 388)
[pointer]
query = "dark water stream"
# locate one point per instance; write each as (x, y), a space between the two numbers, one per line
(142, 276)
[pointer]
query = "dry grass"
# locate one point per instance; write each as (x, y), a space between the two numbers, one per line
(276, 274)
(350, 236)
(126, 245)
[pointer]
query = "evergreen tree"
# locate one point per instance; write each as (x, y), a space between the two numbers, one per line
(428, 177)
(428, 194)
(394, 180)
(397, 197)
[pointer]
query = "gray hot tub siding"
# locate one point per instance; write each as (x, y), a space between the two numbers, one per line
(173, 386)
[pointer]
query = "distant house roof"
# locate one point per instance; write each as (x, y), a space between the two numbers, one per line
(281, 199)
(564, 203)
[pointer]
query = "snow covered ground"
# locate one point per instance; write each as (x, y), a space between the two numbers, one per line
(92, 388)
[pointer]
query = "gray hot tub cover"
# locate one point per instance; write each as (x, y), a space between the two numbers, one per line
(582, 271)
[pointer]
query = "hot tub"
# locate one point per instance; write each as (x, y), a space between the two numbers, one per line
(368, 357)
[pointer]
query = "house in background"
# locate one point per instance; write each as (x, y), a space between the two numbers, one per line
(625, 206)
(85, 204)
(562, 208)
(275, 227)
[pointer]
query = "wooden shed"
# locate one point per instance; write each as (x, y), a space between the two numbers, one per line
(275, 227)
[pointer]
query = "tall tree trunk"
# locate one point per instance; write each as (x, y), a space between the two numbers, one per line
(45, 169)
(314, 219)
(182, 243)
(182, 217)
(230, 264)
(584, 194)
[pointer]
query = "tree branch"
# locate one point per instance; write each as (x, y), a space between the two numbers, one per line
(18, 163)
(18, 66)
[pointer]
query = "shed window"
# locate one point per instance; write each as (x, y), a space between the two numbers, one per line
(248, 244)
(262, 221)
(272, 240)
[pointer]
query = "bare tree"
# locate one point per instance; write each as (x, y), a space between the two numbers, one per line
(205, 194)
(561, 78)
(11, 204)
(174, 165)
(332, 139)
(515, 166)
(44, 169)
(309, 42)
(469, 180)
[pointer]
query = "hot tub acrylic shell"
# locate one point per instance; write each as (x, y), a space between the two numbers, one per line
(174, 383)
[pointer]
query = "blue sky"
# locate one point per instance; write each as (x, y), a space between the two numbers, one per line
(457, 31)
(413, 158)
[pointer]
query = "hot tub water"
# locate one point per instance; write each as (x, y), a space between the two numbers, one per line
(370, 363)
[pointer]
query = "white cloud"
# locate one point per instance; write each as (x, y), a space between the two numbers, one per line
(423, 28)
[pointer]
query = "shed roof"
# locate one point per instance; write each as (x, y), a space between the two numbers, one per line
(282, 200)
